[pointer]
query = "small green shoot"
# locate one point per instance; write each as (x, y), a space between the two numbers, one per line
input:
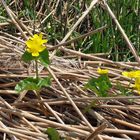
(53, 134)
(100, 85)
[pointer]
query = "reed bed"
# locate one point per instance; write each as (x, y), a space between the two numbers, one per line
(75, 112)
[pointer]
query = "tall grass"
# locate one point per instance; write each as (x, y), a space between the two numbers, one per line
(68, 12)
(127, 13)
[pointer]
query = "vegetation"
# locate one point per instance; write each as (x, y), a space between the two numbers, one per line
(69, 69)
(62, 16)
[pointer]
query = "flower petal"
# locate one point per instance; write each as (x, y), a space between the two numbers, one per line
(132, 74)
(30, 43)
(41, 48)
(40, 35)
(44, 41)
(35, 54)
(28, 50)
(102, 71)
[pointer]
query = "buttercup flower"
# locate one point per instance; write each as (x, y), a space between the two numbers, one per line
(35, 44)
(136, 75)
(132, 74)
(102, 71)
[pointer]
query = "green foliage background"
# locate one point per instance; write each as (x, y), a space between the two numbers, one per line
(68, 12)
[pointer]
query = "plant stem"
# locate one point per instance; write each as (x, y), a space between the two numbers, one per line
(36, 67)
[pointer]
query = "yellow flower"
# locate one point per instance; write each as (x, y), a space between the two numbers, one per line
(136, 75)
(102, 71)
(132, 74)
(137, 83)
(35, 44)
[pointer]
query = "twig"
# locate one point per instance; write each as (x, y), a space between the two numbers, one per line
(97, 131)
(122, 122)
(17, 134)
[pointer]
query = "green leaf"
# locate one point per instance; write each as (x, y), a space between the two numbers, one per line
(100, 85)
(92, 85)
(53, 134)
(27, 57)
(27, 84)
(44, 58)
(44, 82)
(32, 84)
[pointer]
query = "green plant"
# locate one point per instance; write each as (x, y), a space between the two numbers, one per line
(100, 85)
(35, 51)
(136, 75)
(53, 134)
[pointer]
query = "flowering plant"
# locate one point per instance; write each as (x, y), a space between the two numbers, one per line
(100, 85)
(136, 75)
(35, 51)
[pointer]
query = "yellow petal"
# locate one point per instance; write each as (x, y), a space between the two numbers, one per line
(28, 50)
(35, 36)
(102, 71)
(132, 74)
(137, 83)
(35, 54)
(44, 41)
(28, 43)
(40, 35)
(41, 48)
(125, 74)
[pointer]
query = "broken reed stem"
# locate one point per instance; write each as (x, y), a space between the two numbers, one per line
(20, 23)
(127, 107)
(34, 134)
(124, 123)
(92, 57)
(65, 101)
(5, 127)
(97, 131)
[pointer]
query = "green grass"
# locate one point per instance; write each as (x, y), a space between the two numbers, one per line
(67, 13)
(127, 13)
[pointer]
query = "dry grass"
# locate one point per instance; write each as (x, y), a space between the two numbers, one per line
(66, 101)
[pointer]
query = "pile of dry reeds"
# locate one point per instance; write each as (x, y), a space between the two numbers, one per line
(75, 112)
